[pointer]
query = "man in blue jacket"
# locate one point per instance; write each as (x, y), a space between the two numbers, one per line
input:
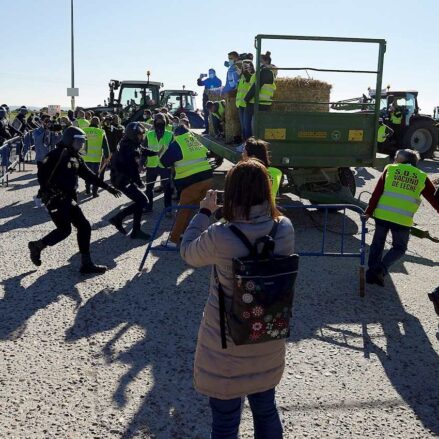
(232, 73)
(212, 81)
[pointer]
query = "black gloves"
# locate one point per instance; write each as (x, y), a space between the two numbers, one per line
(113, 191)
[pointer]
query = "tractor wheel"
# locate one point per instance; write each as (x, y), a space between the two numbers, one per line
(421, 136)
(347, 178)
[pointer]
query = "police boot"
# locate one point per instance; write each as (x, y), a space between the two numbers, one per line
(116, 222)
(140, 234)
(88, 267)
(36, 247)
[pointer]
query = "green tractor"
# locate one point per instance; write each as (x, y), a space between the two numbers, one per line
(133, 98)
(182, 101)
(409, 130)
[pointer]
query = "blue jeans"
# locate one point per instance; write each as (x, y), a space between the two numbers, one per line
(95, 168)
(226, 416)
(248, 118)
(400, 238)
(244, 133)
(165, 179)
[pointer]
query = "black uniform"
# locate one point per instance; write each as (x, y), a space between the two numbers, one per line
(125, 176)
(6, 131)
(58, 178)
(114, 136)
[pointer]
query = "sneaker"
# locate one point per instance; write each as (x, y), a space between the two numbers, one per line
(169, 244)
(95, 195)
(35, 247)
(118, 224)
(140, 234)
(91, 268)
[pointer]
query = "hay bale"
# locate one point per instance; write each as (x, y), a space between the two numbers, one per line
(232, 126)
(213, 95)
(301, 90)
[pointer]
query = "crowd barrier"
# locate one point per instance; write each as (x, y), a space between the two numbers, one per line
(325, 208)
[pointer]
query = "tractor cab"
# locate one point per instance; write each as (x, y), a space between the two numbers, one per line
(132, 99)
(133, 96)
(177, 101)
(405, 101)
(182, 101)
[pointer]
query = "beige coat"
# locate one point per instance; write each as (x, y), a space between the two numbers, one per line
(238, 370)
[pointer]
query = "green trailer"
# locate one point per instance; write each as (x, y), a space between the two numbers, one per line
(316, 150)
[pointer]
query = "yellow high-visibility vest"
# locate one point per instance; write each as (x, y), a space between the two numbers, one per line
(401, 198)
(194, 158)
(94, 144)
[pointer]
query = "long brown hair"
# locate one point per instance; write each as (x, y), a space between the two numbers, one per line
(247, 184)
(258, 149)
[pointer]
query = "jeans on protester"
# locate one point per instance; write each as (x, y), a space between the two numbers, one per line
(226, 416)
(400, 238)
(165, 179)
(95, 168)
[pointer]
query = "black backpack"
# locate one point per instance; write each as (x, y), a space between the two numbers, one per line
(263, 292)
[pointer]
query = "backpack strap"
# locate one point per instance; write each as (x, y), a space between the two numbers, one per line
(222, 309)
(274, 229)
(242, 238)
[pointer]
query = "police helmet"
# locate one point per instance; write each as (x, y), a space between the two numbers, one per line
(3, 113)
(70, 134)
(23, 109)
(133, 129)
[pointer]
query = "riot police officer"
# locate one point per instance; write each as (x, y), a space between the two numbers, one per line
(58, 178)
(125, 175)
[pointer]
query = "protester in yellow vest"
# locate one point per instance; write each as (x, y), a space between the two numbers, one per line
(81, 121)
(156, 143)
(267, 88)
(217, 111)
(96, 151)
(193, 175)
(384, 132)
(244, 85)
(259, 149)
(393, 204)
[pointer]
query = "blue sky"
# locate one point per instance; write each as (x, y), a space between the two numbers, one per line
(178, 40)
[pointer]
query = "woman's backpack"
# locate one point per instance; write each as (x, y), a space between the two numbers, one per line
(263, 292)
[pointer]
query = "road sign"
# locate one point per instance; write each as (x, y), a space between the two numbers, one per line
(73, 91)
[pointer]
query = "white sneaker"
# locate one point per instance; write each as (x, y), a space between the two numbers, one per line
(169, 244)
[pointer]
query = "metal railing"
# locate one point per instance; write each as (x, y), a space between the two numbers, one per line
(325, 208)
(14, 152)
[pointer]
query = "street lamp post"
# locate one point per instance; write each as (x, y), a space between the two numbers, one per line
(73, 56)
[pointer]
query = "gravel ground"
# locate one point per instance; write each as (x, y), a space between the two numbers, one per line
(111, 356)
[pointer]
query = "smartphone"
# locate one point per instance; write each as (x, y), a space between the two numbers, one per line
(220, 198)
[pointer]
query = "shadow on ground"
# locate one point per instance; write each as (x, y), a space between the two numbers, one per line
(167, 305)
(408, 359)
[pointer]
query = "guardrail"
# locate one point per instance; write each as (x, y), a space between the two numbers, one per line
(341, 253)
(13, 152)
